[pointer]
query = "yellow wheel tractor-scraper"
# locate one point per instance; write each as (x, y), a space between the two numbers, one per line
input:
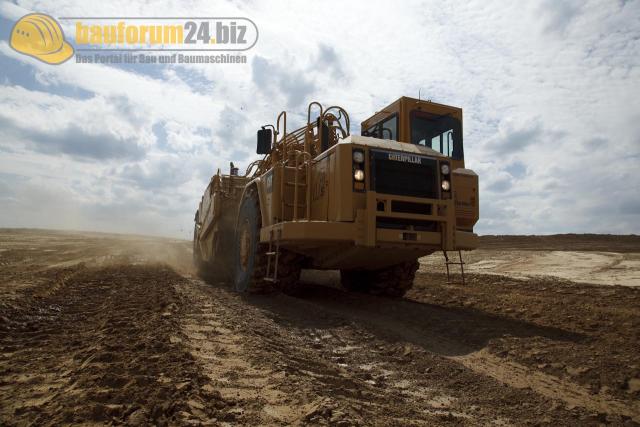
(368, 205)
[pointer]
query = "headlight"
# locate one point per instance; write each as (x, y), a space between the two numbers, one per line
(446, 185)
(444, 168)
(358, 175)
(358, 156)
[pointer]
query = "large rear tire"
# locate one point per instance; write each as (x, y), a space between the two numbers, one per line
(250, 256)
(218, 270)
(392, 281)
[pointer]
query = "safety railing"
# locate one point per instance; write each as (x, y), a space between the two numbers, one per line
(297, 150)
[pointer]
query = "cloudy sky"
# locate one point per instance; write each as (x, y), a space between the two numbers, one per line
(550, 92)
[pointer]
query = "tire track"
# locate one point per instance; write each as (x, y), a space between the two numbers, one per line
(279, 377)
(97, 349)
(371, 360)
(519, 376)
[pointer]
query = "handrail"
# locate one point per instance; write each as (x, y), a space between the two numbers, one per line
(309, 110)
(252, 165)
(341, 113)
(299, 147)
(284, 134)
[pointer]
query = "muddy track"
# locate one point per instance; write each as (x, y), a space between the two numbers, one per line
(110, 339)
(100, 347)
(401, 362)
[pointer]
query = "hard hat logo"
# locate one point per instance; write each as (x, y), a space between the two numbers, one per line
(40, 36)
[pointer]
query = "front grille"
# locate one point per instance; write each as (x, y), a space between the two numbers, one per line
(410, 207)
(406, 224)
(404, 174)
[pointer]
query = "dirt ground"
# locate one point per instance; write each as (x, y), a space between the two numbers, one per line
(105, 329)
(601, 260)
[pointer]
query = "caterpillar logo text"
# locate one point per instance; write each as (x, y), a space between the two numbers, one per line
(405, 158)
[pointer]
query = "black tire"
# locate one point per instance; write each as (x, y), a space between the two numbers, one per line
(355, 280)
(289, 269)
(250, 258)
(221, 268)
(218, 270)
(392, 281)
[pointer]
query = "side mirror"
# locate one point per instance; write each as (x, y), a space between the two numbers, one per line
(265, 137)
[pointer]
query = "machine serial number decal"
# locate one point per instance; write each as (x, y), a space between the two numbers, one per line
(407, 158)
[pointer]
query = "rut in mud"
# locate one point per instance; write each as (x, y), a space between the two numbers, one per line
(122, 339)
(100, 346)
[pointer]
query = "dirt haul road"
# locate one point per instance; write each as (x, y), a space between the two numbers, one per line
(116, 329)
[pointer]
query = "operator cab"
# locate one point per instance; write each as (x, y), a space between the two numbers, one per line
(424, 123)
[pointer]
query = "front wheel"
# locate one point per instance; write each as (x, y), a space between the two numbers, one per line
(250, 259)
(251, 255)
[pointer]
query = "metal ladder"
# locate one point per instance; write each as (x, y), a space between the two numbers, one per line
(448, 262)
(273, 255)
(301, 177)
(297, 204)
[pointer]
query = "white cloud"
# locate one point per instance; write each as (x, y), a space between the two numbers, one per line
(549, 91)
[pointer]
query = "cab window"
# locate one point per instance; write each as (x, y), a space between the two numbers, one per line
(440, 133)
(390, 128)
(384, 129)
(372, 131)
